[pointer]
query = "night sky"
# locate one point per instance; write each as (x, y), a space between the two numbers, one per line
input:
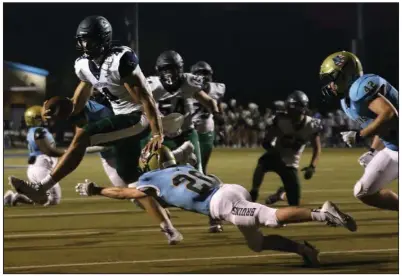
(261, 51)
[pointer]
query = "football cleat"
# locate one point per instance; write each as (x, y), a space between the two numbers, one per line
(173, 235)
(271, 199)
(8, 198)
(335, 217)
(215, 226)
(33, 191)
(310, 255)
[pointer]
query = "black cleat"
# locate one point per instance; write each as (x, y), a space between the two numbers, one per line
(254, 195)
(271, 199)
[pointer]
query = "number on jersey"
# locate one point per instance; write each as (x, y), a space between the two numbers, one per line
(195, 181)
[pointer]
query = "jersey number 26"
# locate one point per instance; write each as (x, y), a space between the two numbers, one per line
(195, 181)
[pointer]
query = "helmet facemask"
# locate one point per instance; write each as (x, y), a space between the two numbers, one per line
(171, 76)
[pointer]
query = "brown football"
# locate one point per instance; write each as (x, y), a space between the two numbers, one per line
(60, 107)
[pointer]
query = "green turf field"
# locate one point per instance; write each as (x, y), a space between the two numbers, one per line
(100, 235)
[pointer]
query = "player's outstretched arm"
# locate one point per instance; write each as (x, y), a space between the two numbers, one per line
(45, 146)
(149, 203)
(137, 86)
(385, 112)
(81, 96)
(207, 101)
(316, 144)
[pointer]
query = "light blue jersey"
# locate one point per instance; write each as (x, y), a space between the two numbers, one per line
(38, 133)
(361, 93)
(181, 186)
(94, 112)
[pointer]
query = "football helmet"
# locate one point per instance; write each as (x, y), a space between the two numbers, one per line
(297, 103)
(33, 117)
(162, 158)
(338, 72)
(202, 69)
(94, 36)
(169, 67)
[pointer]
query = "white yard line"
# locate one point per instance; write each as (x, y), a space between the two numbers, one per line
(183, 227)
(134, 210)
(196, 259)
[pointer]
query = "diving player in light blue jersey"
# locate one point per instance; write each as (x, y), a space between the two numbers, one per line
(189, 189)
(42, 159)
(372, 102)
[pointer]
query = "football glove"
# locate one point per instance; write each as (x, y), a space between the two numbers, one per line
(351, 137)
(87, 189)
(308, 172)
(366, 158)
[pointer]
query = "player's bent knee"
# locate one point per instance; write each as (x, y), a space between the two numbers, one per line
(267, 217)
(360, 191)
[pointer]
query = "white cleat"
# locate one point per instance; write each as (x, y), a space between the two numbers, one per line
(8, 198)
(33, 191)
(173, 235)
(335, 217)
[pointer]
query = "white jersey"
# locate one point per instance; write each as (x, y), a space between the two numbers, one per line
(179, 101)
(292, 140)
(106, 79)
(202, 118)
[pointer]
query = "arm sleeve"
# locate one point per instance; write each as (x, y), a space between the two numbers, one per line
(40, 133)
(128, 63)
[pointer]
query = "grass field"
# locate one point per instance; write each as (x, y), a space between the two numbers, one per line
(99, 235)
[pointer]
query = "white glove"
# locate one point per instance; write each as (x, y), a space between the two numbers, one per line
(86, 189)
(349, 137)
(366, 158)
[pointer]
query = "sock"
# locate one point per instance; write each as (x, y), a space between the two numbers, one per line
(48, 182)
(167, 224)
(318, 216)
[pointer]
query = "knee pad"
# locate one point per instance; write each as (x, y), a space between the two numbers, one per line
(267, 217)
(360, 191)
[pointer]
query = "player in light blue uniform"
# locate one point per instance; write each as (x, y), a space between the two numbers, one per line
(189, 189)
(43, 156)
(371, 101)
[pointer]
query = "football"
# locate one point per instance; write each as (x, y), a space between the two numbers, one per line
(60, 107)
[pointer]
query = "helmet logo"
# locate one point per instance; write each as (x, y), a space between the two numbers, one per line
(339, 60)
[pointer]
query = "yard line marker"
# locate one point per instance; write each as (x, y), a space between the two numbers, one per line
(138, 210)
(182, 227)
(197, 259)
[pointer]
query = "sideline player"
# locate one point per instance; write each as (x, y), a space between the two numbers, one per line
(174, 92)
(202, 118)
(372, 102)
(43, 157)
(187, 188)
(115, 72)
(284, 143)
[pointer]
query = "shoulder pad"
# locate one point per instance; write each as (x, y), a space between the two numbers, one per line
(314, 123)
(365, 87)
(154, 82)
(40, 133)
(78, 66)
(218, 88)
